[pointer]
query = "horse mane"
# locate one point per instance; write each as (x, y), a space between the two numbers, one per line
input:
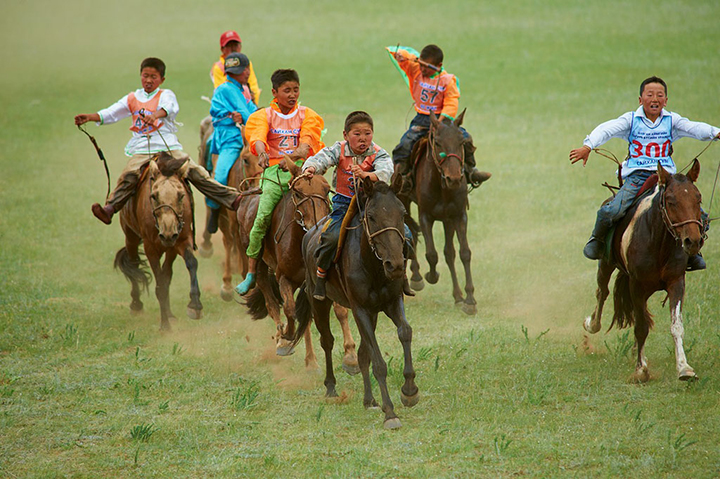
(168, 164)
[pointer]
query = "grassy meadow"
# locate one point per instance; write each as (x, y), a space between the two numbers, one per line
(89, 390)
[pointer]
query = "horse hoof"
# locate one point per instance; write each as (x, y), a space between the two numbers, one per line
(194, 313)
(409, 401)
(285, 350)
(226, 293)
(392, 423)
(206, 250)
(351, 368)
(417, 285)
(640, 376)
(469, 309)
(312, 365)
(687, 374)
(587, 324)
(432, 278)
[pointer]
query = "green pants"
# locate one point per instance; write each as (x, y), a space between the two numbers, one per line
(274, 184)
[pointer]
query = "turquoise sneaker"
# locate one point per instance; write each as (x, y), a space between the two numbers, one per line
(248, 283)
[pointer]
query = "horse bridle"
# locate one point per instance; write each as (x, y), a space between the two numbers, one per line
(178, 216)
(371, 236)
(300, 218)
(669, 225)
(439, 159)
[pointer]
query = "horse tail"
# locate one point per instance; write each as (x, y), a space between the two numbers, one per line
(623, 302)
(302, 314)
(135, 270)
(255, 300)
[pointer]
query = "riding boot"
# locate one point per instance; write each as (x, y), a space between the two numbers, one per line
(696, 262)
(405, 174)
(476, 177)
(212, 224)
(319, 292)
(249, 282)
(595, 247)
(103, 213)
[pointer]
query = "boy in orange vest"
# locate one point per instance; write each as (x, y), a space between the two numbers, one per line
(433, 90)
(153, 112)
(283, 128)
(230, 43)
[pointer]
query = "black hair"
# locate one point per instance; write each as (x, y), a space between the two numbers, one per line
(281, 76)
(432, 54)
(358, 117)
(155, 63)
(653, 79)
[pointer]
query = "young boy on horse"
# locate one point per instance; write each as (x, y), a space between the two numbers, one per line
(230, 43)
(355, 158)
(283, 128)
(231, 105)
(433, 90)
(153, 112)
(650, 131)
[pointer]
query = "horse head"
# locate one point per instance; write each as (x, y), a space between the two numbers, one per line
(167, 195)
(382, 217)
(680, 204)
(250, 162)
(309, 195)
(445, 147)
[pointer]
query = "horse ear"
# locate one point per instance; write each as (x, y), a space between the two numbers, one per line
(291, 166)
(694, 171)
(459, 119)
(368, 186)
(396, 184)
(663, 175)
(434, 120)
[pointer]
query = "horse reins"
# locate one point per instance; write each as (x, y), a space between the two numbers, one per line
(296, 203)
(178, 216)
(101, 156)
(439, 158)
(669, 225)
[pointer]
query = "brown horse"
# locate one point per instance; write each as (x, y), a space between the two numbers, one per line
(369, 279)
(160, 216)
(441, 194)
(650, 249)
(299, 209)
(247, 167)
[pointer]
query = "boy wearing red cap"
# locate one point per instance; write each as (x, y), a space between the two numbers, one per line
(230, 43)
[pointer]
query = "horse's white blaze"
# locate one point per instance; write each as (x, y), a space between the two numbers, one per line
(627, 237)
(677, 331)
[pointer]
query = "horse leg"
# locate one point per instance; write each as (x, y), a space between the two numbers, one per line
(449, 252)
(206, 247)
(168, 272)
(161, 288)
(409, 393)
(470, 305)
(676, 292)
(226, 291)
(605, 269)
(273, 307)
(194, 307)
(643, 321)
(364, 363)
(132, 243)
(431, 255)
(286, 292)
(350, 359)
(366, 323)
(416, 279)
(321, 313)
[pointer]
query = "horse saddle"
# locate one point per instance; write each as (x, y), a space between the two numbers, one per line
(347, 220)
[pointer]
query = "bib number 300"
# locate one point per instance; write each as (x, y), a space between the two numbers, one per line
(651, 150)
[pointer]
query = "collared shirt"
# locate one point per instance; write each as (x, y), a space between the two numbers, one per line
(218, 77)
(157, 140)
(622, 126)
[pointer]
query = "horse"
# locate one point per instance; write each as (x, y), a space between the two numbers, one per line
(650, 250)
(299, 209)
(441, 194)
(160, 216)
(247, 167)
(368, 278)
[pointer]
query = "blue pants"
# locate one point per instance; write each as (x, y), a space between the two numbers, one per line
(226, 159)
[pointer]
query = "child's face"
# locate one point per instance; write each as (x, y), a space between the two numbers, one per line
(429, 71)
(359, 137)
(231, 47)
(151, 79)
(287, 95)
(241, 78)
(653, 99)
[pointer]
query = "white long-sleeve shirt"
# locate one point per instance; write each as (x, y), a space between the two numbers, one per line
(621, 127)
(138, 144)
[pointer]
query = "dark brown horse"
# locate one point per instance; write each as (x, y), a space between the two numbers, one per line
(299, 209)
(245, 168)
(159, 216)
(369, 280)
(650, 250)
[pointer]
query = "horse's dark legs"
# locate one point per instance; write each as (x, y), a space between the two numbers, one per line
(194, 307)
(162, 285)
(366, 323)
(350, 359)
(605, 269)
(286, 292)
(431, 255)
(676, 293)
(469, 307)
(321, 313)
(282, 346)
(642, 327)
(132, 243)
(409, 391)
(364, 363)
(206, 247)
(449, 253)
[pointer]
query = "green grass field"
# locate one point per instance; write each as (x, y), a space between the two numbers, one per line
(88, 390)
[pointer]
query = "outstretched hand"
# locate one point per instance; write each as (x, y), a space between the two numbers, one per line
(263, 160)
(582, 153)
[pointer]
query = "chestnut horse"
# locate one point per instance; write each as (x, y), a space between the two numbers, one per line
(368, 278)
(441, 194)
(160, 216)
(650, 249)
(300, 208)
(246, 167)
